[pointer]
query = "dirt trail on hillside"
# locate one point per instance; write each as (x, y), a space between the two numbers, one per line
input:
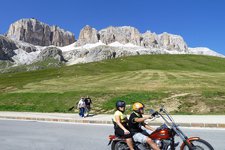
(192, 103)
(173, 101)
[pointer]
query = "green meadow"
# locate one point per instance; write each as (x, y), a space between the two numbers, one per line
(184, 84)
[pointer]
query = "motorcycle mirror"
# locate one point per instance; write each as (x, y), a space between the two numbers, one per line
(151, 111)
(162, 108)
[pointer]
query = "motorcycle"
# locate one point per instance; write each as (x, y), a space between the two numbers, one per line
(163, 136)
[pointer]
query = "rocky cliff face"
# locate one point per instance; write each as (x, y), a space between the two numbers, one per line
(6, 48)
(37, 33)
(59, 37)
(172, 42)
(150, 40)
(50, 52)
(127, 34)
(122, 35)
(88, 35)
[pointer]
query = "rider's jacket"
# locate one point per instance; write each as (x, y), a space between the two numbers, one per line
(135, 126)
(123, 117)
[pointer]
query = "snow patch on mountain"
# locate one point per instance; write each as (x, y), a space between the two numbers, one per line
(89, 46)
(24, 58)
(68, 47)
(204, 51)
(128, 45)
(74, 47)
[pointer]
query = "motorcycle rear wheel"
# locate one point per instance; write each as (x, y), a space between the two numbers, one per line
(120, 145)
(199, 145)
(113, 145)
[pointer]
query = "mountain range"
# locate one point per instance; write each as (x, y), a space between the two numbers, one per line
(29, 41)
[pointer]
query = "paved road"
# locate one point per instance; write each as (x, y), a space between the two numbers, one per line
(32, 135)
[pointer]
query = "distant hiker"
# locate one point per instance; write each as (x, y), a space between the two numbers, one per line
(114, 54)
(81, 106)
(88, 103)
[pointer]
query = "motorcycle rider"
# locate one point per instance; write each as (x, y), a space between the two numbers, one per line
(121, 123)
(138, 128)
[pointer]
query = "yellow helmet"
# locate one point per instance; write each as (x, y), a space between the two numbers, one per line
(137, 106)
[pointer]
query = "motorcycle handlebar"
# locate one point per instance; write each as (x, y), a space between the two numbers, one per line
(153, 112)
(168, 119)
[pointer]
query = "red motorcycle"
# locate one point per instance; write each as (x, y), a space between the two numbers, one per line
(164, 137)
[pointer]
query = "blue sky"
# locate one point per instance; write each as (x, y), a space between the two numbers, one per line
(200, 22)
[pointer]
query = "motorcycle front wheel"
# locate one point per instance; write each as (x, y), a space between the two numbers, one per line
(199, 145)
(120, 145)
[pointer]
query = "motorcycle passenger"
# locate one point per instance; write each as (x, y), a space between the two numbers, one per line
(121, 123)
(138, 128)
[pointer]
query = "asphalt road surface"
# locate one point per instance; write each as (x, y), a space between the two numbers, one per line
(32, 135)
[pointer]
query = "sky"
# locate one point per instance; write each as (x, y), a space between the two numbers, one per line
(200, 22)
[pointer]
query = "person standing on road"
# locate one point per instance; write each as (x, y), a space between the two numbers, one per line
(88, 103)
(81, 106)
(120, 122)
(138, 127)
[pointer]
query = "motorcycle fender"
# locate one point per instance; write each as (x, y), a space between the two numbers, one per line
(114, 138)
(111, 138)
(110, 142)
(189, 140)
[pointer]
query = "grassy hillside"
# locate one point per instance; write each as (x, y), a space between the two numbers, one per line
(7, 66)
(186, 84)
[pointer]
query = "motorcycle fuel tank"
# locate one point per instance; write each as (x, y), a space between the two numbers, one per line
(161, 134)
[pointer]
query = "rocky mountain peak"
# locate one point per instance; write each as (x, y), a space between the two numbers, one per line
(150, 39)
(38, 33)
(172, 42)
(88, 35)
(124, 34)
